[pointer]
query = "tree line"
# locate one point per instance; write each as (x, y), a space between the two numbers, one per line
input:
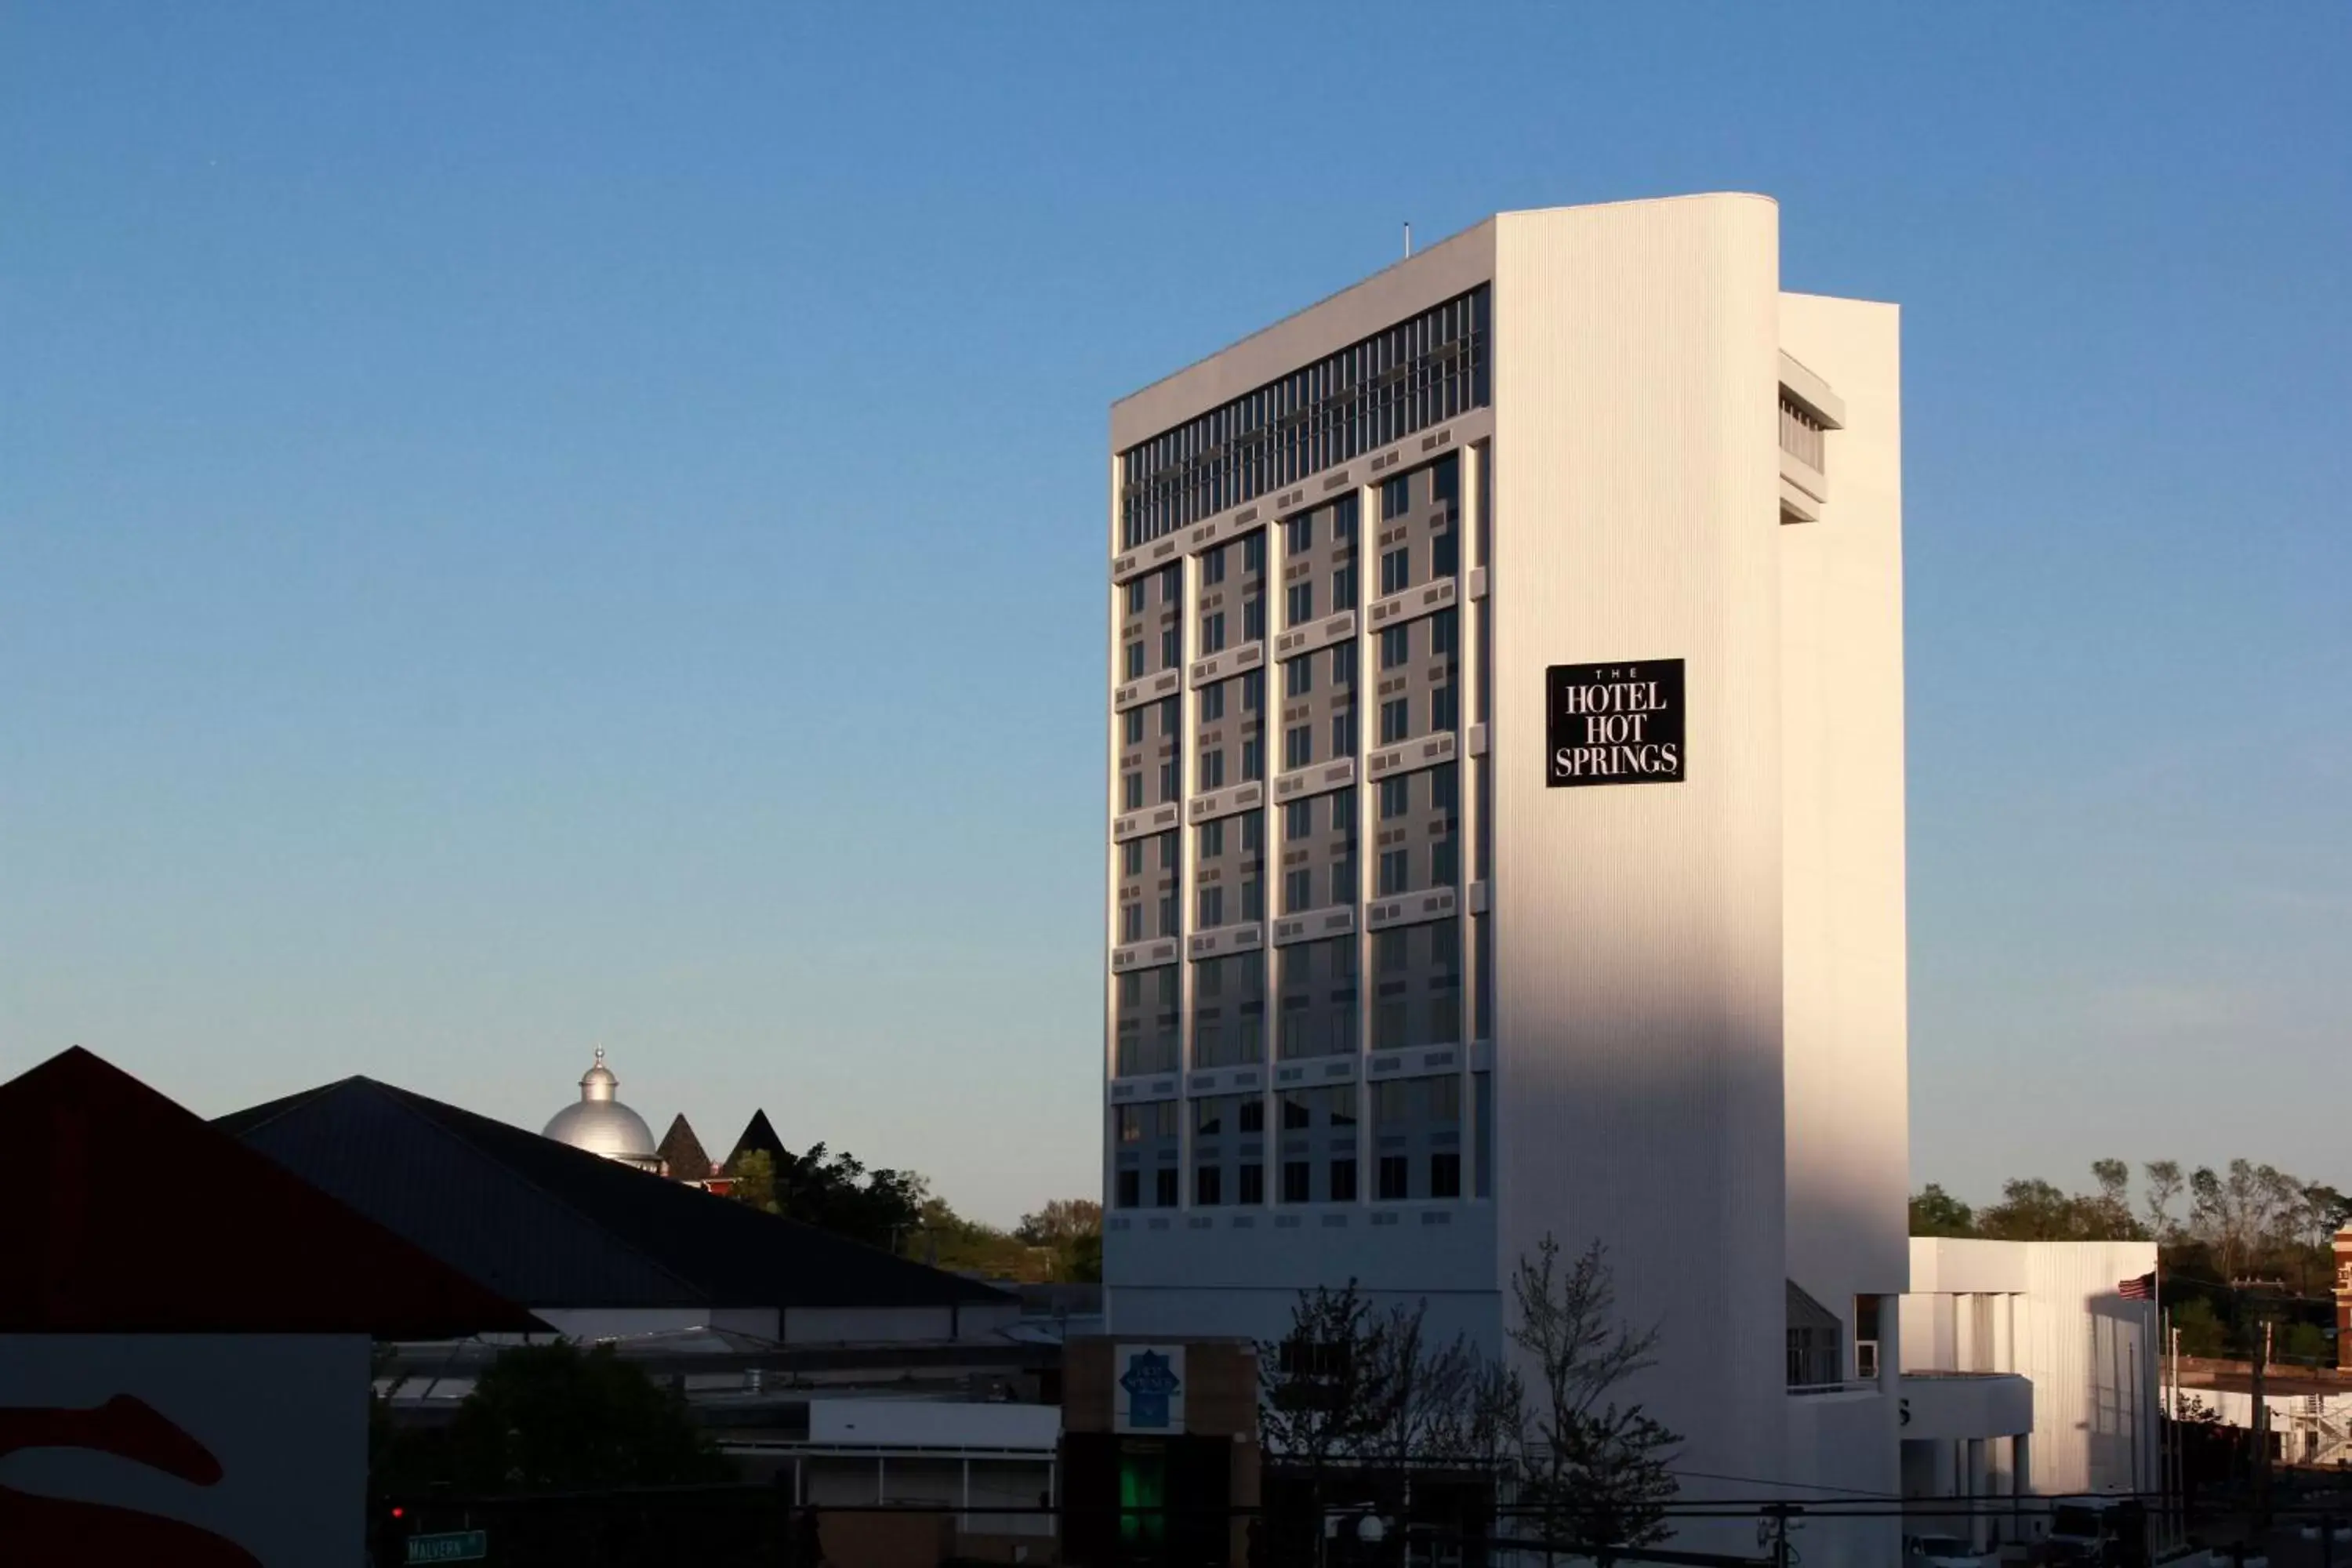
(2238, 1247)
(897, 1211)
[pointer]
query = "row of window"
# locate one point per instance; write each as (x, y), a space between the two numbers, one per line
(1395, 1182)
(1419, 372)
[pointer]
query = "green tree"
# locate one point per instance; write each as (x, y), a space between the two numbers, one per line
(754, 1185)
(2202, 1332)
(1071, 1230)
(555, 1418)
(2164, 1186)
(1935, 1212)
(833, 1192)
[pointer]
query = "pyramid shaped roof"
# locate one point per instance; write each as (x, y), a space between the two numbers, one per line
(757, 1134)
(681, 1153)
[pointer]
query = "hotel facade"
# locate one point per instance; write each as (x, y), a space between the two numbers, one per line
(1506, 824)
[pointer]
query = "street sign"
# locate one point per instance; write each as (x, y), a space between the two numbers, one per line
(457, 1546)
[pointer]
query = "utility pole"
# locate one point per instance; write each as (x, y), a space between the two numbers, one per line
(2262, 1428)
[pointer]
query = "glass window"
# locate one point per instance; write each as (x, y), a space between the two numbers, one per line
(1208, 1185)
(1297, 1111)
(1166, 914)
(1213, 908)
(1445, 862)
(1130, 1124)
(1253, 690)
(1343, 811)
(1343, 664)
(1297, 746)
(1253, 1185)
(1392, 1175)
(1213, 839)
(1253, 554)
(1212, 633)
(1396, 570)
(1133, 721)
(1297, 677)
(1396, 796)
(1446, 481)
(1301, 603)
(1213, 770)
(1393, 877)
(1343, 733)
(1343, 878)
(1298, 890)
(1396, 646)
(1253, 1115)
(1444, 628)
(1213, 566)
(1131, 923)
(1134, 660)
(1167, 842)
(1396, 721)
(1343, 1181)
(1445, 553)
(1130, 1189)
(1131, 791)
(1132, 857)
(1446, 1174)
(1298, 535)
(1135, 592)
(1296, 1180)
(1396, 494)
(1253, 618)
(1252, 759)
(1343, 587)
(1171, 715)
(1163, 1187)
(1167, 781)
(1167, 646)
(1446, 788)
(1209, 1116)
(1297, 819)
(1213, 703)
(1253, 832)
(1343, 519)
(1444, 706)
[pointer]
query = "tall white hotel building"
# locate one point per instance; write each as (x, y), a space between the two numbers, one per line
(1506, 831)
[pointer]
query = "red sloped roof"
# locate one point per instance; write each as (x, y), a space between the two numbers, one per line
(126, 1214)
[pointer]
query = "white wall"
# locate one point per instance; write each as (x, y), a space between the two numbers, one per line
(1844, 945)
(2049, 1309)
(1637, 929)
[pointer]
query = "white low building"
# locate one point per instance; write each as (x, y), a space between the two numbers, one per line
(2026, 1373)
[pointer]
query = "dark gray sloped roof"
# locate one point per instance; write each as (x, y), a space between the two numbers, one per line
(550, 1225)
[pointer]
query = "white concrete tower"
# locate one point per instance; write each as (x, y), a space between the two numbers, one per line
(1506, 825)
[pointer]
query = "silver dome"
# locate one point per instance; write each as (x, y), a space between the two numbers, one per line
(601, 1124)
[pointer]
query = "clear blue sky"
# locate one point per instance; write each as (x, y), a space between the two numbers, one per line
(524, 525)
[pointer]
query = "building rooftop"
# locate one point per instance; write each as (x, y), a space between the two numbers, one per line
(127, 1215)
(551, 1225)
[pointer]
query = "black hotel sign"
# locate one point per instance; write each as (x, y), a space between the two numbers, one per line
(1615, 723)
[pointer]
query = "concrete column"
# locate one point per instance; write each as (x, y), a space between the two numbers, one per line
(2021, 1482)
(1890, 1351)
(1974, 1463)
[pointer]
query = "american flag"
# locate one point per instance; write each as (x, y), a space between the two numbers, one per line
(2140, 1290)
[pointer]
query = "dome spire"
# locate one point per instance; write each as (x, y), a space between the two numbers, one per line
(598, 1082)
